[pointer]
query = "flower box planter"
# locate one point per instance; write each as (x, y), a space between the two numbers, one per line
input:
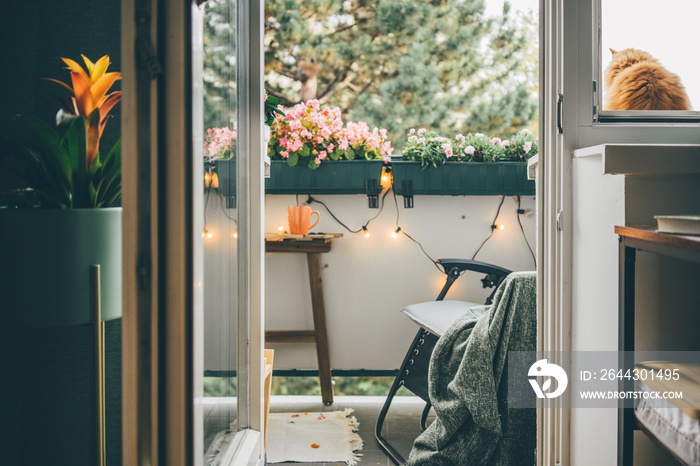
(226, 171)
(331, 177)
(462, 178)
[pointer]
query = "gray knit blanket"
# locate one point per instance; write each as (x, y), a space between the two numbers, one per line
(468, 385)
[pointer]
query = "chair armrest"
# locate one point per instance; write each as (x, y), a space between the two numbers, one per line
(465, 264)
(454, 268)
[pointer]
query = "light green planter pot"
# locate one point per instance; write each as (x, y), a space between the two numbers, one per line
(46, 261)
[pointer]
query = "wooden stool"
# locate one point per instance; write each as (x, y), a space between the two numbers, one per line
(269, 360)
(313, 245)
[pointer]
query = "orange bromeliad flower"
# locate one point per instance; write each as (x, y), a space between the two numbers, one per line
(89, 97)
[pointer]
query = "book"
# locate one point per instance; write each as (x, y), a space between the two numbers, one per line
(679, 224)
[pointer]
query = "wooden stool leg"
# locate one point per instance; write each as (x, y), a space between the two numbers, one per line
(319, 310)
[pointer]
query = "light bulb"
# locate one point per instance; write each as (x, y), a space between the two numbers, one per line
(367, 235)
(387, 178)
(207, 179)
(501, 226)
(207, 233)
(395, 233)
(280, 229)
(235, 234)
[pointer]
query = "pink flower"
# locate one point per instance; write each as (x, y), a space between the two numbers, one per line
(295, 125)
(343, 145)
(526, 132)
(469, 150)
(412, 131)
(527, 146)
(330, 148)
(422, 131)
(322, 155)
(495, 141)
(505, 143)
(448, 149)
(284, 153)
(459, 137)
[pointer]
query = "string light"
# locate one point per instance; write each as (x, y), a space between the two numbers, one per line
(387, 178)
(206, 233)
(367, 235)
(498, 226)
(395, 233)
(235, 234)
(280, 229)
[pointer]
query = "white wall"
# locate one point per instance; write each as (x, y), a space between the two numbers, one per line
(367, 281)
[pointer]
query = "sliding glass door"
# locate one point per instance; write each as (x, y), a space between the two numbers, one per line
(194, 247)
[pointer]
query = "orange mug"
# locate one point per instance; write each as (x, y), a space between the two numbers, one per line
(300, 219)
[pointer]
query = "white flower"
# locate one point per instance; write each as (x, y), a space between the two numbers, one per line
(422, 131)
(526, 132)
(527, 146)
(469, 150)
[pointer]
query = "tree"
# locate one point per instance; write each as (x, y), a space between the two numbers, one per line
(439, 64)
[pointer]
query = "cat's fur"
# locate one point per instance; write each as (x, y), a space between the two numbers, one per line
(635, 80)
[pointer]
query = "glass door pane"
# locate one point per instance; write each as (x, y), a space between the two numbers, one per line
(221, 220)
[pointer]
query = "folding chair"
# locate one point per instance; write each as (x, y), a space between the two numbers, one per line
(433, 317)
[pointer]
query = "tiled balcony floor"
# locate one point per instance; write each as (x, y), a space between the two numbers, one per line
(401, 427)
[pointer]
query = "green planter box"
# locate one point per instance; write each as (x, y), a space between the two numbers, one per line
(226, 171)
(332, 177)
(462, 178)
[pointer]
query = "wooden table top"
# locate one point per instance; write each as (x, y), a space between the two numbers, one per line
(650, 234)
(309, 237)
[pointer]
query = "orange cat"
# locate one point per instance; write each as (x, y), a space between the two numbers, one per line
(635, 80)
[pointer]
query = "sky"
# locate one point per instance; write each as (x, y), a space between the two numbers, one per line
(667, 30)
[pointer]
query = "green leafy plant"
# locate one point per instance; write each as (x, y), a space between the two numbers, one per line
(272, 110)
(62, 166)
(53, 172)
(432, 150)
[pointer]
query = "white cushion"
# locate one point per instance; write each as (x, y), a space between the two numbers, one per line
(437, 316)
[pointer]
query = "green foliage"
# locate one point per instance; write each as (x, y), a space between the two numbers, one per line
(431, 149)
(399, 64)
(344, 386)
(52, 171)
(219, 73)
(271, 110)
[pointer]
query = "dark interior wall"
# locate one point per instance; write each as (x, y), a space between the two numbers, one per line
(47, 374)
(33, 35)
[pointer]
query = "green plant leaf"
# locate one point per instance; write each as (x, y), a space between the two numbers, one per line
(312, 164)
(350, 153)
(293, 159)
